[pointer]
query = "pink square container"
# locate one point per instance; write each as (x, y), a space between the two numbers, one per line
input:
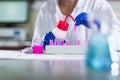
(38, 49)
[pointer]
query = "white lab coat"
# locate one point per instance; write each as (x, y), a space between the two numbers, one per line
(50, 14)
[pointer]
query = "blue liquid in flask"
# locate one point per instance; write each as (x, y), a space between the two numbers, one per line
(98, 54)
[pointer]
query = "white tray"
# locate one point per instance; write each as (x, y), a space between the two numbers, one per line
(72, 49)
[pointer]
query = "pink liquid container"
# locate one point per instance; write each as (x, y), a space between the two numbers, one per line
(38, 49)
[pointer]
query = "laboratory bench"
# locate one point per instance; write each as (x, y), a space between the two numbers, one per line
(15, 65)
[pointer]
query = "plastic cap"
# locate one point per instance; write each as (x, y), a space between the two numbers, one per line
(63, 25)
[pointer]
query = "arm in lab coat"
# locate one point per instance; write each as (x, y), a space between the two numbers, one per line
(115, 28)
(102, 5)
(39, 22)
(36, 36)
(44, 22)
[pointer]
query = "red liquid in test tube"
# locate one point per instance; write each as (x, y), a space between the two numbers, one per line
(62, 43)
(88, 42)
(75, 28)
(67, 43)
(51, 42)
(78, 42)
(56, 42)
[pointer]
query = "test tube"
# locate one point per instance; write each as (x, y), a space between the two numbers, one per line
(51, 42)
(75, 28)
(67, 43)
(88, 42)
(78, 42)
(62, 42)
(56, 42)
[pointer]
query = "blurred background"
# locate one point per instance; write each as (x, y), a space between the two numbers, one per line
(16, 32)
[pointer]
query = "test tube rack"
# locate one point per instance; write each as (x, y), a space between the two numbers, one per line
(71, 49)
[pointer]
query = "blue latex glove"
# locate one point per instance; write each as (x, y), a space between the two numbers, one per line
(97, 23)
(49, 36)
(81, 19)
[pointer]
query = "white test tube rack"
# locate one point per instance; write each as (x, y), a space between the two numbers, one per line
(71, 49)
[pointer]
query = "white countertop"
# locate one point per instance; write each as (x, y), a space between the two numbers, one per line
(6, 54)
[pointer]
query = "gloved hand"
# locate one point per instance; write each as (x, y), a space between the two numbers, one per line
(49, 36)
(81, 19)
(97, 22)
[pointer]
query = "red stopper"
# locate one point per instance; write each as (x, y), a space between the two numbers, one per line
(63, 25)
